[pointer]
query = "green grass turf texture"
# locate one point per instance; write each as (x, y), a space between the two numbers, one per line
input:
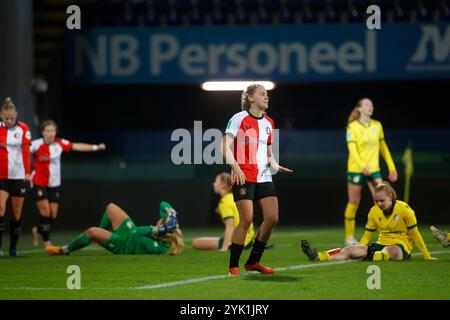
(37, 275)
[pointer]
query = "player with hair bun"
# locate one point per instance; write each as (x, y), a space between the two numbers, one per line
(15, 170)
(47, 153)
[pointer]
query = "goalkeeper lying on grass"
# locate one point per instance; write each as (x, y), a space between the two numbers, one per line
(397, 225)
(118, 234)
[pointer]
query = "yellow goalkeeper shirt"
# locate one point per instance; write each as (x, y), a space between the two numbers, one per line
(400, 227)
(227, 210)
(365, 142)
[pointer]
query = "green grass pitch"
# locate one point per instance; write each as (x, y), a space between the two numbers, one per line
(202, 274)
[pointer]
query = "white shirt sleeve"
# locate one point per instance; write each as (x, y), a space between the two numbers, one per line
(234, 124)
(34, 146)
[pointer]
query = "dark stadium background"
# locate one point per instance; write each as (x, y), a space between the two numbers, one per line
(135, 121)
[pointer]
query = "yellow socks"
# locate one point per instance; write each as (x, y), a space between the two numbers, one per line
(381, 255)
(350, 213)
(324, 256)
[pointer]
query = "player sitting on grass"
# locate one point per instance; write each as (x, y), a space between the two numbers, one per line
(442, 236)
(118, 233)
(397, 225)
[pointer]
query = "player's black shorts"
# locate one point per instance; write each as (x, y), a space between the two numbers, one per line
(15, 187)
(254, 191)
(46, 193)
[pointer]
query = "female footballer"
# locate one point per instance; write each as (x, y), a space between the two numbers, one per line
(118, 234)
(230, 216)
(15, 170)
(251, 132)
(394, 220)
(47, 175)
(365, 141)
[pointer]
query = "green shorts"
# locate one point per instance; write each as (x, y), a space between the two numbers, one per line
(249, 245)
(361, 179)
(379, 247)
(123, 239)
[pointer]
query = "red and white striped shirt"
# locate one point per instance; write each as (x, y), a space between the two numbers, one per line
(251, 137)
(14, 151)
(47, 161)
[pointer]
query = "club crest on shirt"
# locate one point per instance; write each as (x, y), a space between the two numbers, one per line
(375, 131)
(396, 218)
(16, 135)
(268, 131)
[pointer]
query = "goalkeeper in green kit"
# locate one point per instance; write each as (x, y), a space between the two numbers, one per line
(118, 234)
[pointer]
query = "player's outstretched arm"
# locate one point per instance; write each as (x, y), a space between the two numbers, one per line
(228, 234)
(273, 163)
(85, 147)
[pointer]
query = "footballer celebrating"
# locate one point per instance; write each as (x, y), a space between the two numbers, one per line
(251, 133)
(47, 175)
(15, 169)
(365, 140)
(394, 220)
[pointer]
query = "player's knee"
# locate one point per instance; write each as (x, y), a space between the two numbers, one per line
(245, 222)
(90, 232)
(110, 206)
(395, 253)
(271, 221)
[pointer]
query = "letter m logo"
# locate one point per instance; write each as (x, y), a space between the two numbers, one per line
(440, 45)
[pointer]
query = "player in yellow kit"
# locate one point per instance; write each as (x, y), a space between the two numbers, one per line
(397, 225)
(230, 216)
(365, 140)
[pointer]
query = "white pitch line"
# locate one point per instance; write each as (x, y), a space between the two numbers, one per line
(204, 279)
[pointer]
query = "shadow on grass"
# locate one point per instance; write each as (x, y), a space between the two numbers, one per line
(270, 278)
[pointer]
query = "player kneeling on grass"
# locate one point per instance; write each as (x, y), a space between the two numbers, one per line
(118, 233)
(397, 225)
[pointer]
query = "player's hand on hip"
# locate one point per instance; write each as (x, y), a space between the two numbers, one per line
(366, 171)
(28, 178)
(393, 176)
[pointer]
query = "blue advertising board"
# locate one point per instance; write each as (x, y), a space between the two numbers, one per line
(278, 53)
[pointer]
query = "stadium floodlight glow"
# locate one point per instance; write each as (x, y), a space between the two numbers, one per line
(234, 85)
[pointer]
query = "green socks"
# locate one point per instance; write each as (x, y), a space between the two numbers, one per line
(78, 242)
(105, 223)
